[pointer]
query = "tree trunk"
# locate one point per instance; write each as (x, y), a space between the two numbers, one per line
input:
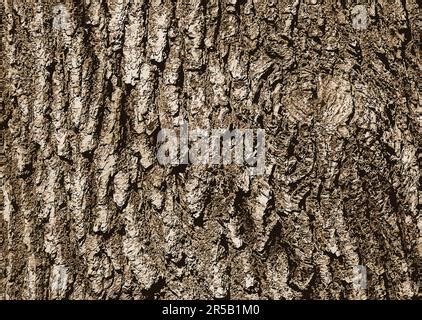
(89, 213)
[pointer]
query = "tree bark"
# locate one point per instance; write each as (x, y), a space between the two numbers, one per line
(89, 213)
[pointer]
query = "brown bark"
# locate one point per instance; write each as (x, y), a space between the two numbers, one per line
(88, 213)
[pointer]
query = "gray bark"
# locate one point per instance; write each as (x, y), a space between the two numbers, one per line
(88, 213)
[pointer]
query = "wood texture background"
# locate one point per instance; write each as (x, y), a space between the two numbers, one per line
(88, 213)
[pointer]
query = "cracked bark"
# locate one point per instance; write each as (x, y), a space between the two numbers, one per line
(88, 213)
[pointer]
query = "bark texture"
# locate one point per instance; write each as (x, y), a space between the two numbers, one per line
(88, 213)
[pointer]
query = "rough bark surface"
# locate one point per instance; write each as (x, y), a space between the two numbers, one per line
(88, 213)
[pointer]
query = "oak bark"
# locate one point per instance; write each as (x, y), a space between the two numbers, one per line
(89, 213)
